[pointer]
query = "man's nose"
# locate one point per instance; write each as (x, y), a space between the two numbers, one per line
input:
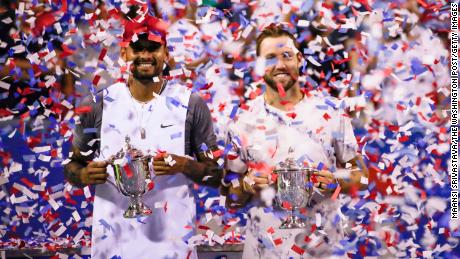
(145, 53)
(279, 63)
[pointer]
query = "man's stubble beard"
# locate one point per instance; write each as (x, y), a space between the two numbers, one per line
(146, 77)
(272, 84)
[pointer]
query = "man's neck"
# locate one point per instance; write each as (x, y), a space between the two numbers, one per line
(293, 96)
(143, 91)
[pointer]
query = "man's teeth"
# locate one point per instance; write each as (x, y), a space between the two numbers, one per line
(145, 65)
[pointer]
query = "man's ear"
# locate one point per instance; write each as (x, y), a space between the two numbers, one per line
(123, 53)
(302, 63)
(301, 59)
(166, 51)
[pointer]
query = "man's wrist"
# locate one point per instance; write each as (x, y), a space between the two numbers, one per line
(73, 173)
(187, 166)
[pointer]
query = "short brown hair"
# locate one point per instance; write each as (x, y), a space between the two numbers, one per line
(273, 31)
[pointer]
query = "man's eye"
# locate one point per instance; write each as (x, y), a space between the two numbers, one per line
(270, 61)
(287, 55)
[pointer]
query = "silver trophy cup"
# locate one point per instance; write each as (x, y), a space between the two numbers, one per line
(293, 190)
(131, 170)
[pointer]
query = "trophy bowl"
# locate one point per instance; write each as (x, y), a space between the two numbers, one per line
(293, 191)
(131, 169)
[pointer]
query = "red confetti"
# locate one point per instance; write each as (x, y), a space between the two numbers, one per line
(150, 186)
(278, 241)
(286, 205)
(336, 193)
(102, 54)
(297, 249)
(281, 91)
(292, 115)
(96, 79)
(82, 109)
(403, 139)
(270, 230)
(128, 171)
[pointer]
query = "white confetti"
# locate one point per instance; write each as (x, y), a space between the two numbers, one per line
(249, 181)
(50, 55)
(41, 149)
(313, 61)
(76, 216)
(53, 204)
(303, 23)
(318, 219)
(4, 85)
(44, 158)
(235, 183)
(60, 231)
(247, 31)
(87, 192)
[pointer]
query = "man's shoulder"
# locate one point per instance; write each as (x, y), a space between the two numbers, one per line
(93, 102)
(177, 90)
(195, 99)
(248, 113)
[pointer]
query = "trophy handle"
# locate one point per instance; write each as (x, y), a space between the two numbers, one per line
(118, 185)
(150, 173)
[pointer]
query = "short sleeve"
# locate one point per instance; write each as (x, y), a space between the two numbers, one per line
(87, 130)
(345, 143)
(202, 131)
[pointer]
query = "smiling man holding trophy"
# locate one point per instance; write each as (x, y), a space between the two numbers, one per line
(293, 152)
(137, 140)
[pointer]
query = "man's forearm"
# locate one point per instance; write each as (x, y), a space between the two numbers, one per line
(206, 173)
(354, 181)
(72, 173)
(357, 171)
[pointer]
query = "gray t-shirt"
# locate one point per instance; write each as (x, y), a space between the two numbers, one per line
(198, 125)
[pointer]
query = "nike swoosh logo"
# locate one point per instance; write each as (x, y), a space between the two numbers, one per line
(166, 126)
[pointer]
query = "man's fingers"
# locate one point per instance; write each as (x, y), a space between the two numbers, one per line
(323, 173)
(159, 163)
(98, 176)
(100, 170)
(248, 188)
(324, 180)
(97, 164)
(260, 180)
(161, 168)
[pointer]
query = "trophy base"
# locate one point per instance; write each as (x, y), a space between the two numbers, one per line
(293, 222)
(136, 210)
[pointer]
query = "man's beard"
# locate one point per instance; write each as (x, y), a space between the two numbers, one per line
(272, 84)
(145, 76)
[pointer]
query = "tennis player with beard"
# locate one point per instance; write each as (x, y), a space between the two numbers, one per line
(312, 126)
(161, 117)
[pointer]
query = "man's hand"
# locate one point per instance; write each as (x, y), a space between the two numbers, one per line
(260, 181)
(323, 180)
(169, 164)
(94, 173)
